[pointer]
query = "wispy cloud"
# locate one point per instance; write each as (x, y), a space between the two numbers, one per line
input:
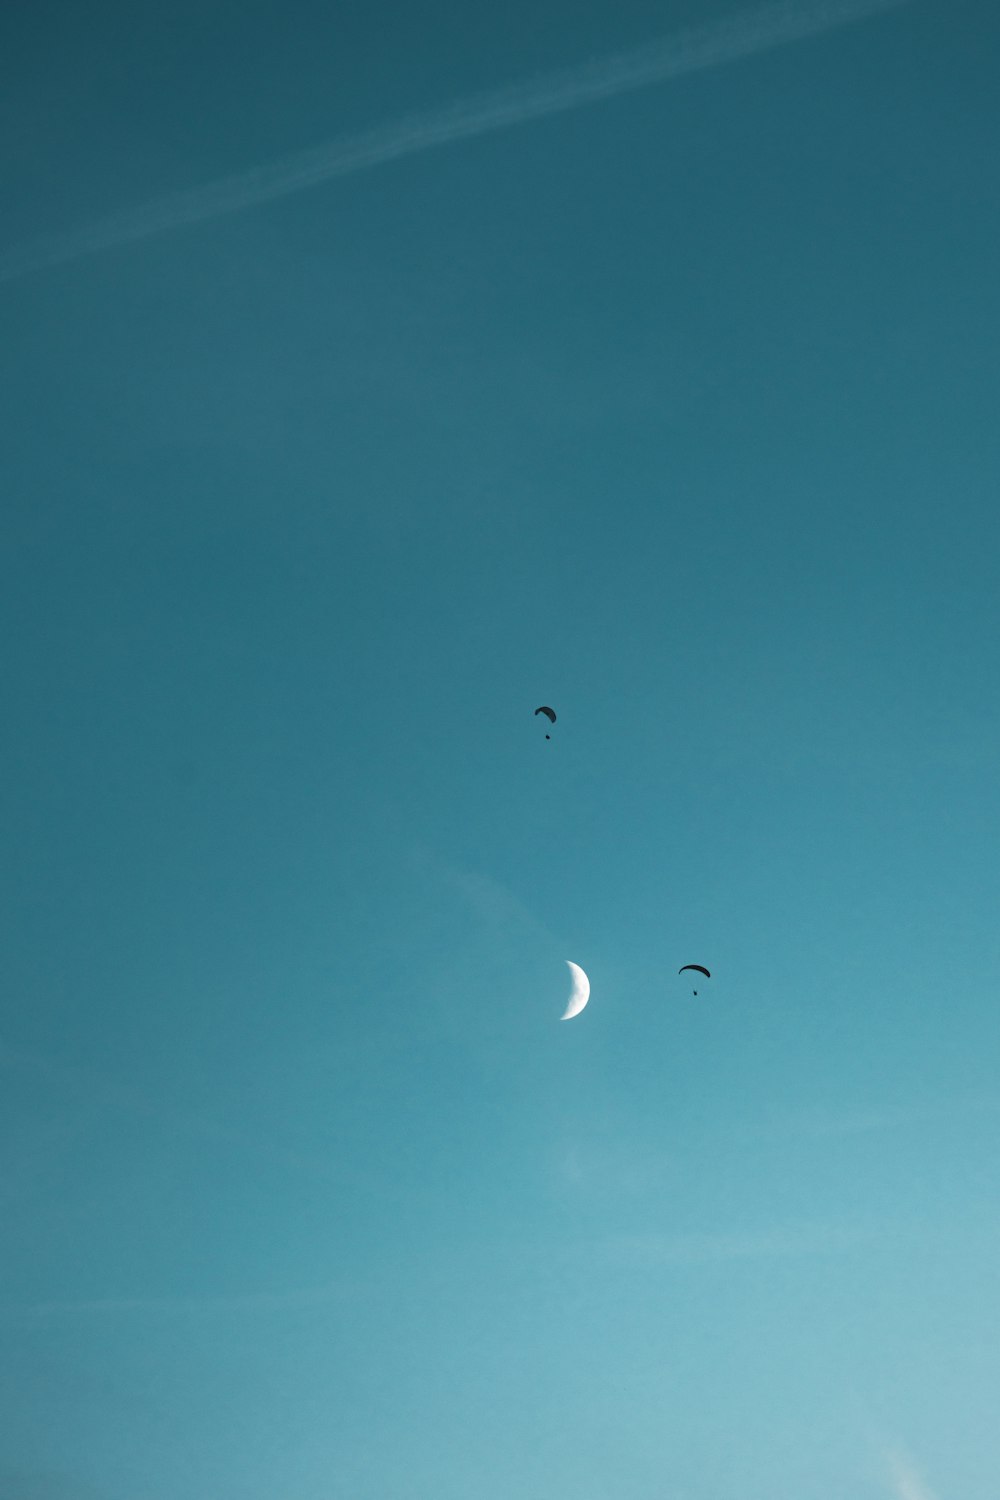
(906, 1482)
(698, 1249)
(103, 1091)
(120, 1306)
(493, 905)
(46, 1486)
(696, 48)
(821, 1122)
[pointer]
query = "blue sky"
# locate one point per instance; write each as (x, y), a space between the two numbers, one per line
(677, 412)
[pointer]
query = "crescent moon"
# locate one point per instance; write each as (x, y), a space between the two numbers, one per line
(581, 992)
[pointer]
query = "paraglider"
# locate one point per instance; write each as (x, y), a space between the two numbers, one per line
(701, 970)
(550, 714)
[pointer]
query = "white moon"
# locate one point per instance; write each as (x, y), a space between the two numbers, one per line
(581, 992)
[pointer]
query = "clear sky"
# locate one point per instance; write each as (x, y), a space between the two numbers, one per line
(676, 411)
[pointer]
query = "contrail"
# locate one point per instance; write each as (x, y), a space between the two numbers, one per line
(686, 51)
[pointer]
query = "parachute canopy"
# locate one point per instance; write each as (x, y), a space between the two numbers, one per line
(699, 968)
(549, 711)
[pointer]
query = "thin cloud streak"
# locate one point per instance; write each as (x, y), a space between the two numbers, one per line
(688, 51)
(104, 1091)
(252, 1302)
(649, 1250)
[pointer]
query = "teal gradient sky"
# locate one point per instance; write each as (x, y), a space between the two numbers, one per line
(677, 412)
